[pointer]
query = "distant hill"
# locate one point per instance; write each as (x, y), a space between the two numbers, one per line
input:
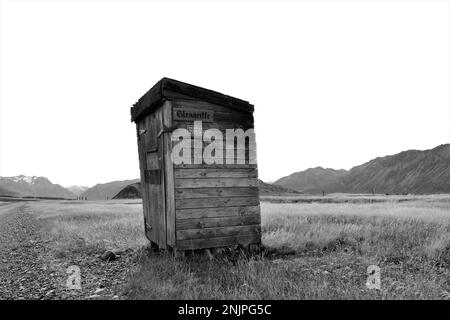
(103, 191)
(411, 171)
(132, 191)
(6, 192)
(33, 186)
(311, 179)
(272, 189)
(77, 190)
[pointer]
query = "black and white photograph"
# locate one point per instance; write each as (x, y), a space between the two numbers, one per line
(224, 155)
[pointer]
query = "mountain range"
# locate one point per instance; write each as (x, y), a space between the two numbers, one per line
(77, 190)
(411, 171)
(32, 187)
(103, 191)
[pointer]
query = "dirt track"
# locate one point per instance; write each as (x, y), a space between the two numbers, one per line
(23, 273)
(29, 270)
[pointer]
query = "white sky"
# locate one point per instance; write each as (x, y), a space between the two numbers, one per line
(334, 84)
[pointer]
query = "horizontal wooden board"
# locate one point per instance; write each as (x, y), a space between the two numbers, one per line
(243, 240)
(215, 166)
(192, 193)
(204, 115)
(197, 213)
(222, 126)
(199, 143)
(218, 232)
(232, 153)
(189, 114)
(218, 222)
(203, 105)
(209, 161)
(203, 156)
(216, 173)
(215, 182)
(216, 202)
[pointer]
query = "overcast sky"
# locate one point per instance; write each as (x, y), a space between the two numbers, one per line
(334, 84)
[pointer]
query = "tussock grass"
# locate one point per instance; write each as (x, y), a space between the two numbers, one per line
(92, 227)
(332, 246)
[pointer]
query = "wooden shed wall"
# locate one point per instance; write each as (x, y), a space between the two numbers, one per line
(216, 205)
(152, 147)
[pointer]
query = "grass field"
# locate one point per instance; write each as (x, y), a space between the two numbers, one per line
(316, 250)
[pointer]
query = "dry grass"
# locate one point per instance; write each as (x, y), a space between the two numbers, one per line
(330, 246)
(78, 226)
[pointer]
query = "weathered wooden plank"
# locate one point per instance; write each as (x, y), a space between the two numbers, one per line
(214, 154)
(215, 222)
(218, 232)
(208, 161)
(199, 143)
(159, 196)
(215, 182)
(207, 212)
(206, 115)
(141, 127)
(149, 162)
(169, 177)
(187, 102)
(191, 193)
(214, 166)
(216, 173)
(198, 93)
(243, 240)
(198, 213)
(222, 126)
(189, 114)
(227, 153)
(216, 202)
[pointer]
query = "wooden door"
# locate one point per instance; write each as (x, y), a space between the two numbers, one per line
(153, 180)
(151, 153)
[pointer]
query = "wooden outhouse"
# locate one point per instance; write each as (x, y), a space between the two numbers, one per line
(200, 204)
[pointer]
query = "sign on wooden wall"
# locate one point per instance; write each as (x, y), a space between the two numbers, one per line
(183, 114)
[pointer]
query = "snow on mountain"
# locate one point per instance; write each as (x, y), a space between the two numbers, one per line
(22, 185)
(77, 190)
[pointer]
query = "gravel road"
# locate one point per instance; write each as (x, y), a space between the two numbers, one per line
(29, 270)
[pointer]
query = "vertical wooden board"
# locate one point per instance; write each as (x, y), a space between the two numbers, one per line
(147, 188)
(169, 176)
(140, 130)
(152, 149)
(160, 189)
